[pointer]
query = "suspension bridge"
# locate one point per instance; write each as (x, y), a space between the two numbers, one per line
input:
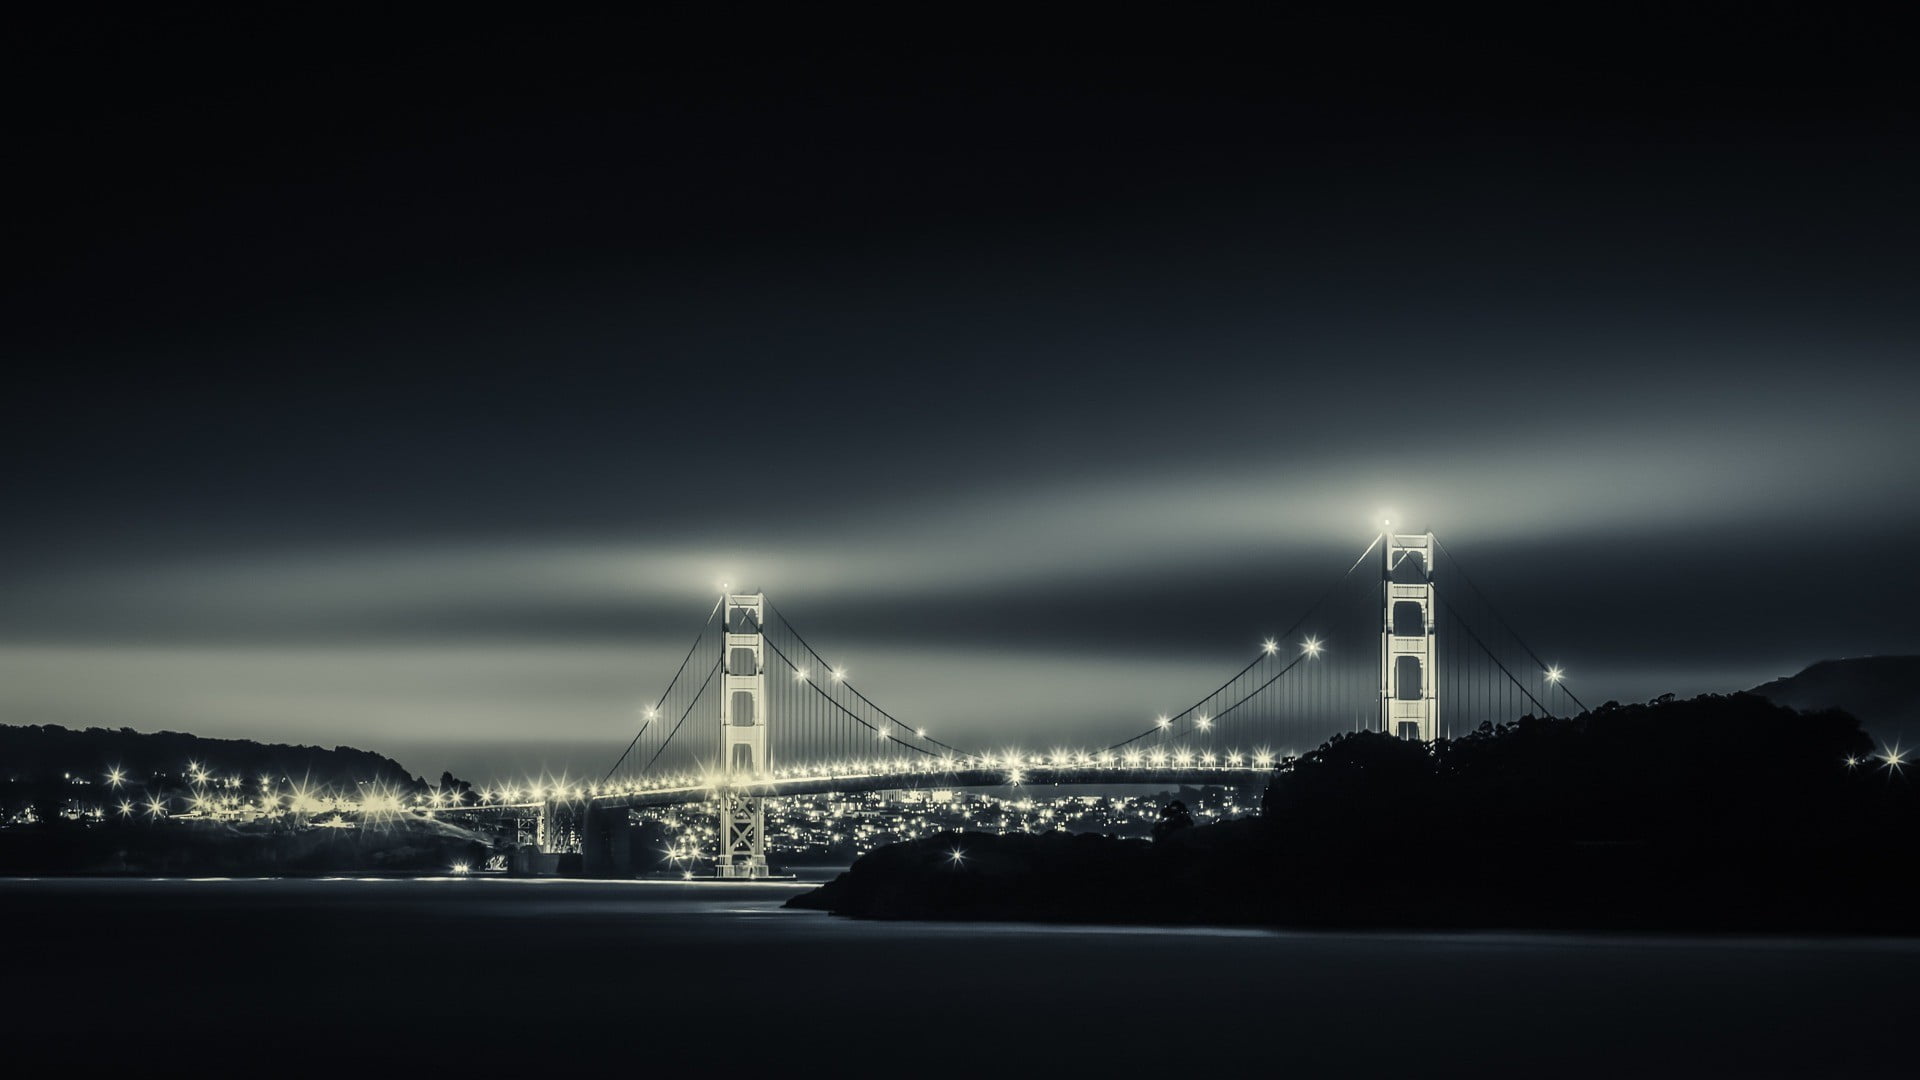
(755, 712)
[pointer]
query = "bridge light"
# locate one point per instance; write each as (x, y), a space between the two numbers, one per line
(1164, 721)
(1312, 647)
(1205, 722)
(800, 674)
(922, 732)
(126, 808)
(115, 776)
(1271, 646)
(1554, 674)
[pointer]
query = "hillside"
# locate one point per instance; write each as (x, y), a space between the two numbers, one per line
(45, 753)
(1638, 817)
(1882, 692)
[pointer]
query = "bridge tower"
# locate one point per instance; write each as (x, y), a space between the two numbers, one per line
(744, 745)
(1409, 690)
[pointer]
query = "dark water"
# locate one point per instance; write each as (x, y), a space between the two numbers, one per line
(370, 977)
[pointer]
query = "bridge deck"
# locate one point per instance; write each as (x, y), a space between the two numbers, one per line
(856, 783)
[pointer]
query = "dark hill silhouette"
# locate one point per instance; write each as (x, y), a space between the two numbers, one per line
(51, 767)
(1720, 813)
(33, 754)
(1882, 692)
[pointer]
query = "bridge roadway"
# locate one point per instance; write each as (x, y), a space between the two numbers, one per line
(854, 783)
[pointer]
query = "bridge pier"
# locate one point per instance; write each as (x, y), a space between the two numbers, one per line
(546, 828)
(606, 842)
(743, 836)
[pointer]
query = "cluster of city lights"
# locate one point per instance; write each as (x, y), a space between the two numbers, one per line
(866, 820)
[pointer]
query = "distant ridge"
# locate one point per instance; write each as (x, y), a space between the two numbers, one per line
(1882, 692)
(45, 752)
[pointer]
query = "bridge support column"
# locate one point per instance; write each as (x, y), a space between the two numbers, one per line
(606, 842)
(1409, 690)
(546, 828)
(743, 836)
(744, 738)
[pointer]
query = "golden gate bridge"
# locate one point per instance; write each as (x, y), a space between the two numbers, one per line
(755, 712)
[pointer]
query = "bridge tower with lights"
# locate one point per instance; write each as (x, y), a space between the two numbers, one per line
(1409, 689)
(744, 742)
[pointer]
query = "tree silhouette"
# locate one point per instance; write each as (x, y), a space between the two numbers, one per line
(1722, 813)
(1173, 817)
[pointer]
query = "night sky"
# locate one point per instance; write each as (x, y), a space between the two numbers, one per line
(414, 386)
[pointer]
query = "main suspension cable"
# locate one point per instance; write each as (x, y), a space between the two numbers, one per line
(1518, 685)
(1511, 632)
(1315, 606)
(857, 718)
(818, 659)
(683, 715)
(663, 695)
